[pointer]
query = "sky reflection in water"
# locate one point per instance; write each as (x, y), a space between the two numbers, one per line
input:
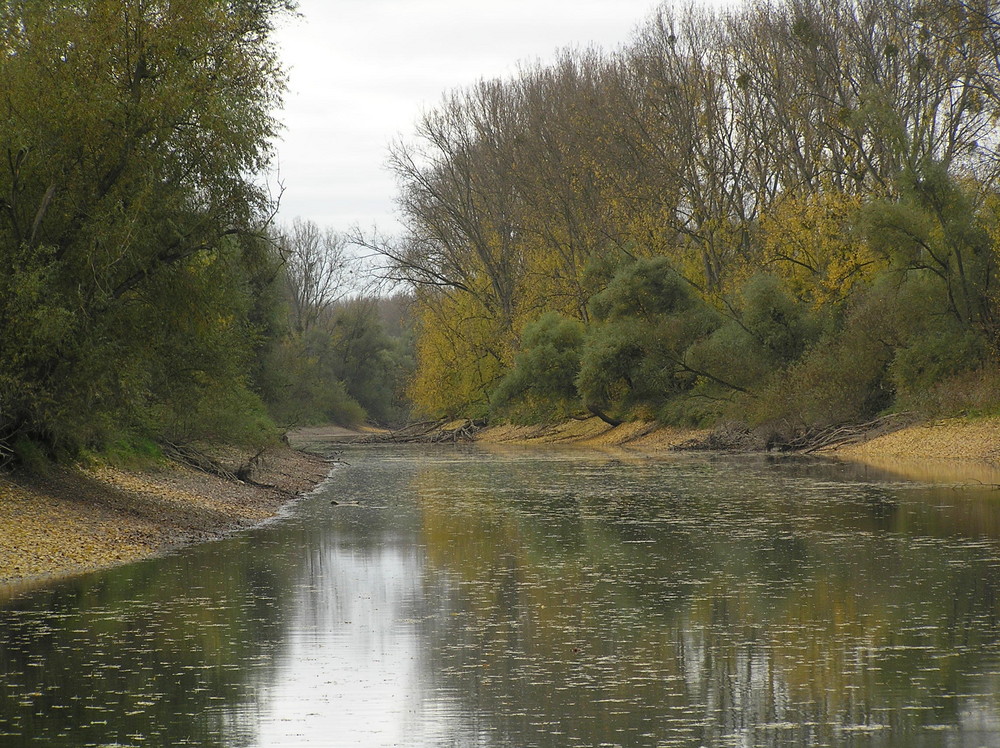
(538, 599)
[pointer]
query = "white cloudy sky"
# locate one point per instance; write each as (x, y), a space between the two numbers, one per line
(361, 71)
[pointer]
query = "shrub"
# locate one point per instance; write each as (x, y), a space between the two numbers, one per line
(636, 355)
(542, 384)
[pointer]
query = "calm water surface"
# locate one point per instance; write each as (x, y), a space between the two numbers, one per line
(506, 598)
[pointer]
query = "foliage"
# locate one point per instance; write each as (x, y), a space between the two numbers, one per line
(303, 387)
(819, 179)
(460, 354)
(636, 355)
(135, 453)
(328, 357)
(842, 379)
(541, 385)
(930, 345)
(372, 364)
(810, 242)
(935, 226)
(779, 325)
(131, 134)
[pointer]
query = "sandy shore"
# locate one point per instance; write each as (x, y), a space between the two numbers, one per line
(78, 520)
(952, 439)
(75, 520)
(957, 450)
(592, 432)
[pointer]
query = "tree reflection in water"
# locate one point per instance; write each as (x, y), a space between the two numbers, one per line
(515, 598)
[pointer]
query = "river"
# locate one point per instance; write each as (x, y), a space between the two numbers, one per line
(462, 596)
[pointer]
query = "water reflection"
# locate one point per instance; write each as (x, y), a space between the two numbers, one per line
(512, 598)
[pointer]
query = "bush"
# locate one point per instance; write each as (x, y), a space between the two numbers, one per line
(636, 355)
(303, 391)
(776, 321)
(31, 456)
(842, 379)
(929, 360)
(542, 384)
(975, 393)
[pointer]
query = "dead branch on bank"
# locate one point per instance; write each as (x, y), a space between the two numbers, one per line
(815, 439)
(733, 437)
(443, 431)
(7, 456)
(194, 458)
(198, 459)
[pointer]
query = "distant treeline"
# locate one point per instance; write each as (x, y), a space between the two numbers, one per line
(142, 296)
(785, 213)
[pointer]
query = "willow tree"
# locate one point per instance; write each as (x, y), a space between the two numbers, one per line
(131, 132)
(821, 142)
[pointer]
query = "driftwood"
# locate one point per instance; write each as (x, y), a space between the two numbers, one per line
(443, 431)
(813, 440)
(787, 438)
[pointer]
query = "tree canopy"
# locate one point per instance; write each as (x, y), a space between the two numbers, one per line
(132, 134)
(778, 212)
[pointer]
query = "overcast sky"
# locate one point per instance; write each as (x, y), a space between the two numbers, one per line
(362, 71)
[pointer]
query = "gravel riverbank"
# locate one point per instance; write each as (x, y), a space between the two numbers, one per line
(74, 520)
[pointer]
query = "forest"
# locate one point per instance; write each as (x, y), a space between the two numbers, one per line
(146, 295)
(784, 215)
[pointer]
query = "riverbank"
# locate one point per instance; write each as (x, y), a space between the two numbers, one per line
(965, 440)
(960, 450)
(75, 520)
(954, 450)
(593, 432)
(949, 439)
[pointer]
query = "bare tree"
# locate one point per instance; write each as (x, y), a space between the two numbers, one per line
(317, 270)
(459, 204)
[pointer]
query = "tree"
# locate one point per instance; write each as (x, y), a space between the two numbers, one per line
(372, 364)
(542, 382)
(131, 134)
(317, 271)
(635, 357)
(936, 226)
(780, 158)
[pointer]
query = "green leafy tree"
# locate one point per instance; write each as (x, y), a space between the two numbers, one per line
(936, 227)
(131, 132)
(372, 364)
(636, 356)
(542, 383)
(779, 324)
(303, 388)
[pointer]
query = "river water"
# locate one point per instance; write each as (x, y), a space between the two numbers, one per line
(466, 597)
